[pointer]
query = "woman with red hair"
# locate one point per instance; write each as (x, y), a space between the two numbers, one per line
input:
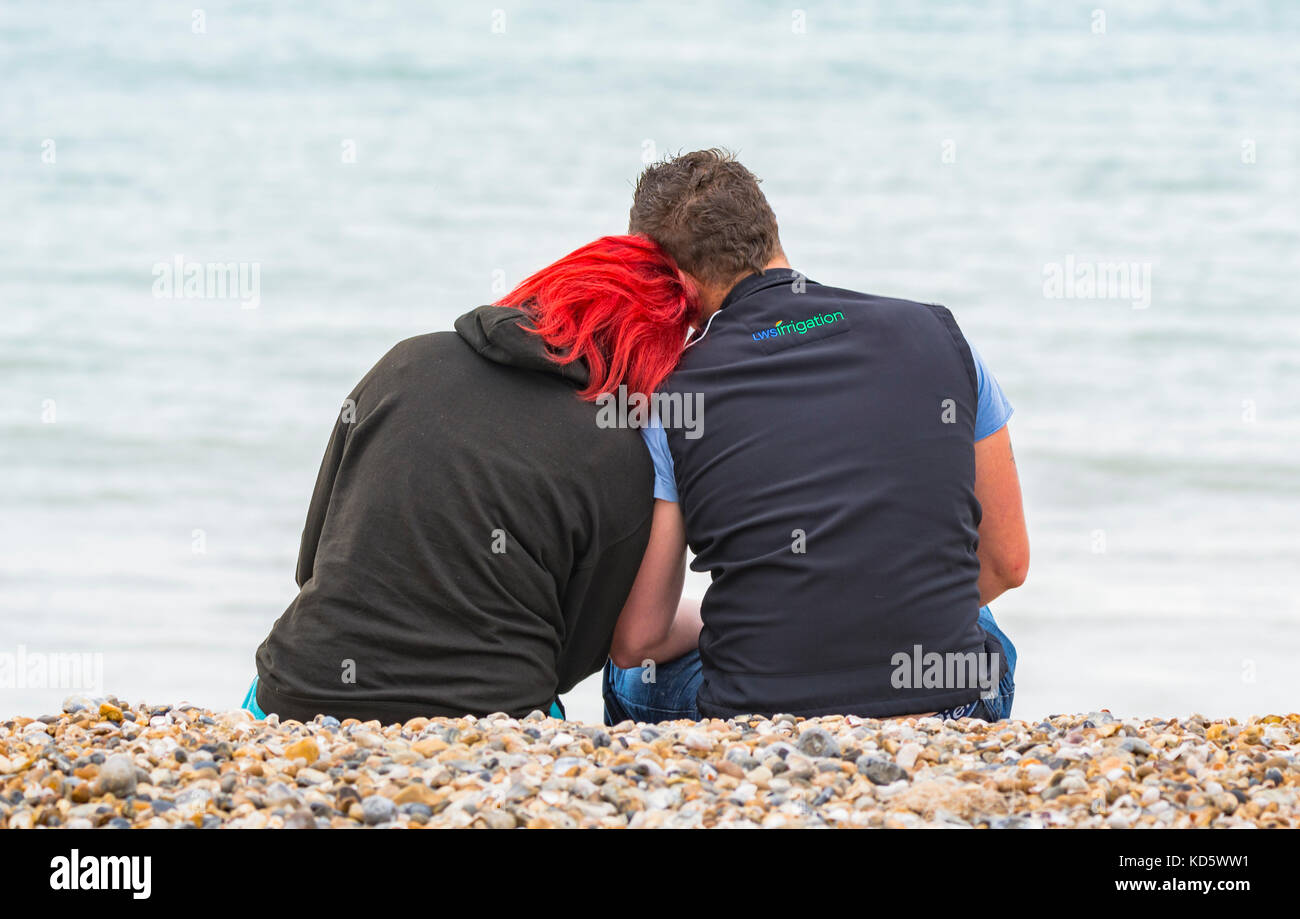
(474, 532)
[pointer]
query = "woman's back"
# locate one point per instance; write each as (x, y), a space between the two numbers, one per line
(471, 539)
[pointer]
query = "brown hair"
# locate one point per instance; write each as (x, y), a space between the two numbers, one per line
(707, 211)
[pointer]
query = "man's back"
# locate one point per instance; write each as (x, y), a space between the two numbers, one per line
(831, 496)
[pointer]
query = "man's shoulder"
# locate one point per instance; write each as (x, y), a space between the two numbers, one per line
(913, 313)
(880, 301)
(806, 289)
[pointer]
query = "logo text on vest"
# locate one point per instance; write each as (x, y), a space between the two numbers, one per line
(802, 327)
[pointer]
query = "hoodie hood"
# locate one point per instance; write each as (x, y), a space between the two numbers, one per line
(501, 334)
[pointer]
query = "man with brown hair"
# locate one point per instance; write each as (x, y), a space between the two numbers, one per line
(851, 491)
(708, 212)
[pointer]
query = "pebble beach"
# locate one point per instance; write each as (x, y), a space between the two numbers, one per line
(103, 764)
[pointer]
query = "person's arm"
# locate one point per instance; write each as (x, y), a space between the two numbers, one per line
(656, 624)
(1004, 542)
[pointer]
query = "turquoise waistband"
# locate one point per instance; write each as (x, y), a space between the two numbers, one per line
(250, 704)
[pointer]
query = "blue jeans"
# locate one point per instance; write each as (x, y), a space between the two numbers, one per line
(668, 692)
(997, 707)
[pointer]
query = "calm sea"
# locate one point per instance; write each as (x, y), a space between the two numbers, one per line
(382, 167)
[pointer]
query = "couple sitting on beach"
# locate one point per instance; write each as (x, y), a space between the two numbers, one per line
(486, 532)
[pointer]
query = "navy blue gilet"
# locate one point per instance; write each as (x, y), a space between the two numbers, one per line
(830, 493)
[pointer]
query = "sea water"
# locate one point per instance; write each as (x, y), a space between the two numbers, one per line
(384, 167)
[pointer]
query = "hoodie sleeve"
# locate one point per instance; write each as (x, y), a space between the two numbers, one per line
(593, 602)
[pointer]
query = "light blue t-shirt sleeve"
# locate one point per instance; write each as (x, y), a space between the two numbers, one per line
(657, 441)
(993, 410)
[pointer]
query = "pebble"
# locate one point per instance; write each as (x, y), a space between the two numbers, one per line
(1136, 745)
(818, 742)
(101, 763)
(301, 819)
(377, 809)
(881, 771)
(908, 753)
(117, 775)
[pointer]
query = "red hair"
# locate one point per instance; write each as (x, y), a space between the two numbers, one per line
(619, 304)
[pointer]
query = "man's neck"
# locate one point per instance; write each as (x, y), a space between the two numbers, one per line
(713, 295)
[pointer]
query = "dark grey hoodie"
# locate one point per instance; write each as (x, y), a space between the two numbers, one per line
(471, 539)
